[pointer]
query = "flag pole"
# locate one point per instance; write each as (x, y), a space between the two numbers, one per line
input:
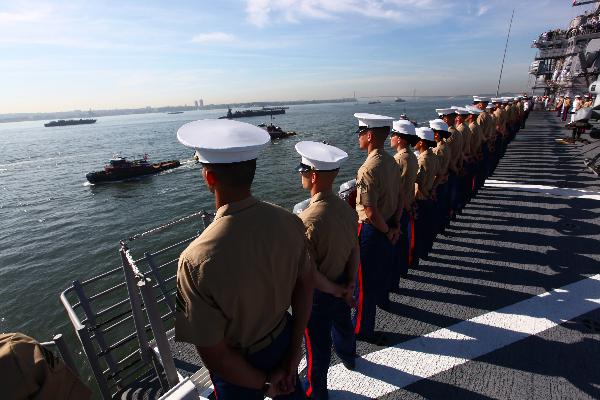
(504, 56)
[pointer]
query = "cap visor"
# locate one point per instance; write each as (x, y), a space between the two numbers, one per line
(303, 168)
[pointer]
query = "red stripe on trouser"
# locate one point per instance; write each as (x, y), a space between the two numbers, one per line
(309, 357)
(214, 388)
(359, 306)
(411, 250)
(473, 184)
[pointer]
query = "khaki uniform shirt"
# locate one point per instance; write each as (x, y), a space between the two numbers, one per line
(29, 371)
(456, 149)
(407, 161)
(428, 167)
(332, 232)
(500, 120)
(235, 281)
(484, 121)
(444, 154)
(476, 138)
(377, 185)
(466, 138)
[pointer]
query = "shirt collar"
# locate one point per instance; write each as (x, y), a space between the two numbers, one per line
(403, 151)
(321, 196)
(235, 207)
(375, 153)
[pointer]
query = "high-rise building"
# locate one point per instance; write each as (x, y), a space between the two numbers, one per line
(201, 103)
(196, 104)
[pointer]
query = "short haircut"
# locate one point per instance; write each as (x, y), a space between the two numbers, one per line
(380, 132)
(237, 175)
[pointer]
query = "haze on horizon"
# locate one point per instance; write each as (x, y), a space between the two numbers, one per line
(65, 55)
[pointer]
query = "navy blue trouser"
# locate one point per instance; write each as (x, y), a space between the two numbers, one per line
(454, 191)
(423, 227)
(330, 322)
(443, 195)
(401, 251)
(373, 275)
(266, 360)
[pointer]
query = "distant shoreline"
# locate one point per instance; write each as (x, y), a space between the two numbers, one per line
(20, 117)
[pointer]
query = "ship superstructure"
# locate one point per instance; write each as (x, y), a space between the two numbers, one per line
(568, 60)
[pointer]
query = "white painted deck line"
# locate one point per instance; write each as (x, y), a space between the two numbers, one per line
(390, 369)
(555, 191)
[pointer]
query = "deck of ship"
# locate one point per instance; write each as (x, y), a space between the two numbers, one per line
(508, 304)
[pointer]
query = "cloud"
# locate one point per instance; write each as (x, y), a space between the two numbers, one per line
(483, 8)
(261, 12)
(213, 37)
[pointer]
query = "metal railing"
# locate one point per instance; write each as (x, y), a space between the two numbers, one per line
(122, 317)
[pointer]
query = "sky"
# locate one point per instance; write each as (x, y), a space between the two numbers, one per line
(71, 54)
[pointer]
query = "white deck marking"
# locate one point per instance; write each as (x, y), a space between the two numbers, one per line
(555, 191)
(390, 369)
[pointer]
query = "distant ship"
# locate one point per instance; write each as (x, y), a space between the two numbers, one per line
(399, 100)
(254, 113)
(120, 168)
(374, 102)
(175, 112)
(62, 122)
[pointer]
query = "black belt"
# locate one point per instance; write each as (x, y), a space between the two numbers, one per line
(267, 339)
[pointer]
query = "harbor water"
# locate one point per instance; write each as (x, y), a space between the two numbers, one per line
(56, 227)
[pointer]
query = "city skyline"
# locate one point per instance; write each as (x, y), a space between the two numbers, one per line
(61, 56)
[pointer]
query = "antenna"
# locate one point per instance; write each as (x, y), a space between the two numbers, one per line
(504, 56)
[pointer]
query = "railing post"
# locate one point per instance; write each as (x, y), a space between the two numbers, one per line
(91, 317)
(90, 352)
(160, 281)
(136, 306)
(158, 329)
(65, 353)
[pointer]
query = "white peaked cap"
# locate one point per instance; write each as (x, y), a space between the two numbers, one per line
(438, 125)
(473, 110)
(221, 141)
(496, 100)
(426, 134)
(490, 106)
(482, 99)
(320, 156)
(460, 110)
(445, 111)
(578, 96)
(404, 126)
(373, 120)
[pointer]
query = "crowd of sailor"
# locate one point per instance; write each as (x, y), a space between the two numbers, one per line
(586, 24)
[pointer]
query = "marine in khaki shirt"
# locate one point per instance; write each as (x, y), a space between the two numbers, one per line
(331, 228)
(376, 185)
(30, 371)
(428, 167)
(407, 161)
(236, 289)
(454, 142)
(237, 280)
(403, 136)
(463, 128)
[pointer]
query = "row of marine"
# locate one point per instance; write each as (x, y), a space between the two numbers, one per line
(332, 265)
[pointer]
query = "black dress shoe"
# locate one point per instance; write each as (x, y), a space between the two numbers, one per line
(350, 365)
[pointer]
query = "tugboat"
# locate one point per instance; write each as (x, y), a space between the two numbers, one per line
(276, 132)
(62, 122)
(120, 168)
(254, 113)
(399, 100)
(375, 102)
